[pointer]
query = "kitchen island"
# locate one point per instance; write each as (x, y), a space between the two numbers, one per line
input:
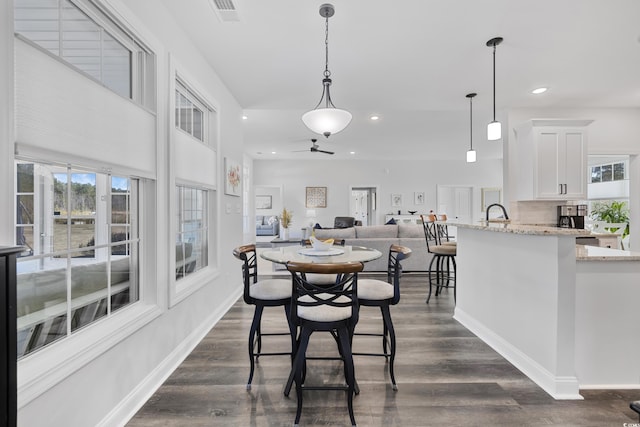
(558, 316)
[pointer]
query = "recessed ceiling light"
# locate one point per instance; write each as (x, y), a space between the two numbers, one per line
(352, 152)
(244, 117)
(374, 117)
(539, 90)
(273, 152)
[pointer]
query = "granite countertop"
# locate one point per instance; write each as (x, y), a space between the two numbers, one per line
(597, 253)
(528, 229)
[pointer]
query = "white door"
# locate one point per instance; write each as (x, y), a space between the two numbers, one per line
(455, 202)
(362, 204)
(359, 203)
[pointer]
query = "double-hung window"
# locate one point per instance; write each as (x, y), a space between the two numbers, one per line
(192, 230)
(79, 230)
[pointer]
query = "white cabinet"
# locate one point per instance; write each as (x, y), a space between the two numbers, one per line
(551, 160)
(404, 219)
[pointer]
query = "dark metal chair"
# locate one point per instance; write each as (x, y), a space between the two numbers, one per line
(636, 407)
(344, 222)
(261, 293)
(444, 258)
(378, 293)
(331, 309)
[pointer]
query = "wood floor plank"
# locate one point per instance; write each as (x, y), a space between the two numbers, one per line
(446, 377)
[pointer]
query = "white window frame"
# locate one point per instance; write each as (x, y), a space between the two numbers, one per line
(190, 94)
(43, 369)
(182, 288)
(183, 266)
(142, 60)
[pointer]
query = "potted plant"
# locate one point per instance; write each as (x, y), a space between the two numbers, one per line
(612, 212)
(285, 221)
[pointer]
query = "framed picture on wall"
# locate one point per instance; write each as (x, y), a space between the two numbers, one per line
(418, 198)
(396, 200)
(232, 178)
(316, 197)
(263, 202)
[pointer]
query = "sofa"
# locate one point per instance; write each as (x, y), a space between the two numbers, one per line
(381, 237)
(267, 225)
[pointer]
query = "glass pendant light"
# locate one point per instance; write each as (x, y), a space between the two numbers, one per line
(494, 129)
(325, 119)
(471, 154)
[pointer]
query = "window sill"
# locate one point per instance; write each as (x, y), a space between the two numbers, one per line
(42, 370)
(184, 287)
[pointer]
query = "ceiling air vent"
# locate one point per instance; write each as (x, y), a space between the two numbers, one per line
(225, 10)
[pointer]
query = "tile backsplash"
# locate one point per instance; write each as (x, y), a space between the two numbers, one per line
(538, 212)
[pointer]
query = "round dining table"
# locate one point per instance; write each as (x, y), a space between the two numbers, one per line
(334, 255)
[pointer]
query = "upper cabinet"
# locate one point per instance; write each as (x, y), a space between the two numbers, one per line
(551, 159)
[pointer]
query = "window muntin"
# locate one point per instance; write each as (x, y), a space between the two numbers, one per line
(191, 113)
(192, 231)
(83, 36)
(83, 264)
(609, 172)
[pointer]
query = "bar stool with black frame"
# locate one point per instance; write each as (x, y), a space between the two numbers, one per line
(444, 258)
(330, 308)
(378, 293)
(262, 293)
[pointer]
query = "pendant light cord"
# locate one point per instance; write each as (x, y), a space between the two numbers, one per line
(471, 123)
(327, 73)
(494, 82)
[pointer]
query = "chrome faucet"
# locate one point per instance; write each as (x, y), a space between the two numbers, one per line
(504, 211)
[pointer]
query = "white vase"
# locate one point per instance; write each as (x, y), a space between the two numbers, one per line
(285, 234)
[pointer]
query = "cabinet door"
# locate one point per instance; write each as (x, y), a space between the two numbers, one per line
(560, 164)
(549, 154)
(575, 171)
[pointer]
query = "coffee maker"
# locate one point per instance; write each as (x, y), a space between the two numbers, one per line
(571, 216)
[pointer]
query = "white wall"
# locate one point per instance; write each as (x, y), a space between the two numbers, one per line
(112, 385)
(390, 176)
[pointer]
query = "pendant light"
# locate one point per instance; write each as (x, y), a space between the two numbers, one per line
(494, 129)
(471, 154)
(325, 119)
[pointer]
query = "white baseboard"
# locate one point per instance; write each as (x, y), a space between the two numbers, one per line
(128, 407)
(561, 388)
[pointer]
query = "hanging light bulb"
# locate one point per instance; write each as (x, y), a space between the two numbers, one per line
(471, 154)
(328, 119)
(494, 129)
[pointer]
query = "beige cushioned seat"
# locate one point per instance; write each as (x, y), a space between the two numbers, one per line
(443, 249)
(324, 313)
(375, 290)
(271, 289)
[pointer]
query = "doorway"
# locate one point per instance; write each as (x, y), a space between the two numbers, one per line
(455, 202)
(362, 204)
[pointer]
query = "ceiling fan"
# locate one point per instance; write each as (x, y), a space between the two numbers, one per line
(315, 148)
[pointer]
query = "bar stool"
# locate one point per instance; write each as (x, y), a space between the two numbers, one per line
(262, 293)
(378, 293)
(444, 258)
(332, 309)
(636, 407)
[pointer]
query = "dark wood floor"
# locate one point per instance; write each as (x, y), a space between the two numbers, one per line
(446, 377)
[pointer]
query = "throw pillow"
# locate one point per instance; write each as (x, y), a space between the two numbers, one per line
(392, 221)
(317, 226)
(272, 220)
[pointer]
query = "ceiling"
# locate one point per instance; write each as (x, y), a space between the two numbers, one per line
(412, 63)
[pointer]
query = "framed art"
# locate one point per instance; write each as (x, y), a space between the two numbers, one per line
(316, 197)
(263, 202)
(490, 196)
(396, 200)
(418, 198)
(232, 178)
